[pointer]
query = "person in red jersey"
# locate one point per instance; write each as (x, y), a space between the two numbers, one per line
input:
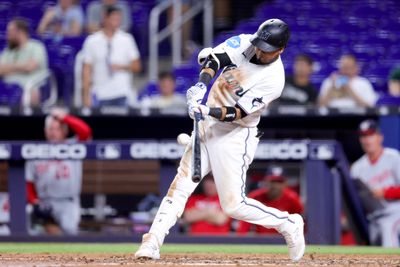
(274, 194)
(54, 186)
(203, 212)
(379, 170)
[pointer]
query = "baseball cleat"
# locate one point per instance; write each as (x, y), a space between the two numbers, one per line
(149, 249)
(294, 236)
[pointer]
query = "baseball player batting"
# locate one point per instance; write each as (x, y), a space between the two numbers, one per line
(54, 186)
(252, 77)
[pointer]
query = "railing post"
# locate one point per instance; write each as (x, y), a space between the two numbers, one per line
(208, 24)
(177, 33)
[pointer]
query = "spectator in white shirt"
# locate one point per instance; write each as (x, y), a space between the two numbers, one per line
(345, 88)
(110, 56)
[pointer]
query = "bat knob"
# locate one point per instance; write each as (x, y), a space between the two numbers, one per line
(196, 179)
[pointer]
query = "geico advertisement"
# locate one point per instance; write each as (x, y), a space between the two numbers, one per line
(53, 151)
(284, 150)
(153, 150)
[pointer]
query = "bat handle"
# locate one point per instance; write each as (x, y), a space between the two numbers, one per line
(197, 116)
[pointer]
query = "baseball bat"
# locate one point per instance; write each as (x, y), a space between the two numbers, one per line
(196, 163)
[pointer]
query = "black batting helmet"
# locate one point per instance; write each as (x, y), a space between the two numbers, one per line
(272, 35)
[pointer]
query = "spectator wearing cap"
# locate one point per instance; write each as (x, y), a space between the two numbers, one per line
(345, 88)
(394, 83)
(275, 194)
(379, 170)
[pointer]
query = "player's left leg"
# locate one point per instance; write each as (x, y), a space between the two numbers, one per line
(68, 215)
(230, 156)
(390, 230)
(172, 205)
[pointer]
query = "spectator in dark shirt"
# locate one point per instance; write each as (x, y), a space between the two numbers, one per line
(298, 89)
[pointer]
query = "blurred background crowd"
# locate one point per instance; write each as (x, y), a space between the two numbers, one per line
(86, 53)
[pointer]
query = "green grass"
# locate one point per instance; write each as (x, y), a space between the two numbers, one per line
(181, 248)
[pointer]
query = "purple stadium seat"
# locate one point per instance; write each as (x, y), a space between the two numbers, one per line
(327, 29)
(10, 94)
(186, 76)
(148, 90)
(387, 100)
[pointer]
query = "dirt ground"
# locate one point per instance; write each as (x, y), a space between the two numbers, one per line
(172, 260)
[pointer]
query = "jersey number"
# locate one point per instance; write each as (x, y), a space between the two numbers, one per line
(62, 172)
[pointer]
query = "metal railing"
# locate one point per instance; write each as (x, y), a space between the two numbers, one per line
(35, 84)
(175, 29)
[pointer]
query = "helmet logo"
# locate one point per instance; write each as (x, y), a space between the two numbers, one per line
(264, 35)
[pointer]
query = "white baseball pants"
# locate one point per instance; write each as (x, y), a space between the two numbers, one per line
(227, 151)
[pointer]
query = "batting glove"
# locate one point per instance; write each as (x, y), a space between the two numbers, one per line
(195, 94)
(198, 108)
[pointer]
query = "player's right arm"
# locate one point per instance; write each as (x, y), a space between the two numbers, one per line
(78, 126)
(213, 59)
(86, 82)
(87, 70)
(31, 194)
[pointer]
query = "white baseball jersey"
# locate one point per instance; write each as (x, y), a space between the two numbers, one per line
(250, 86)
(383, 173)
(55, 178)
(58, 183)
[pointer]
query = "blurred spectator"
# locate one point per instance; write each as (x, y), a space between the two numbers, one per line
(379, 170)
(110, 56)
(167, 98)
(24, 60)
(298, 89)
(345, 88)
(203, 212)
(64, 19)
(394, 83)
(95, 13)
(222, 15)
(54, 186)
(275, 194)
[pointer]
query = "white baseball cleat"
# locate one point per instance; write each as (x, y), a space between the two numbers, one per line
(294, 236)
(149, 249)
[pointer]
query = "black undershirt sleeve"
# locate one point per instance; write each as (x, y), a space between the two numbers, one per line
(224, 60)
